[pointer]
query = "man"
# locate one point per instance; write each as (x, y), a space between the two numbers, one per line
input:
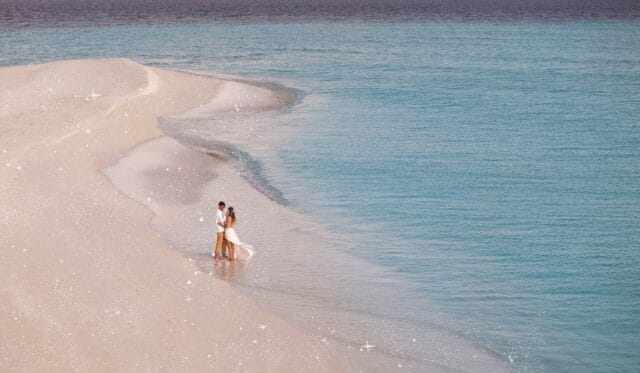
(220, 221)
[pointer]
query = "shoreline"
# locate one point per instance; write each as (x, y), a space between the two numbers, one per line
(104, 292)
(291, 231)
(169, 178)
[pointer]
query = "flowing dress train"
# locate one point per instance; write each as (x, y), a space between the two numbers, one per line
(243, 251)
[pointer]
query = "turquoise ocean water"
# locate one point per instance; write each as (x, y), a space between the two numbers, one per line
(491, 166)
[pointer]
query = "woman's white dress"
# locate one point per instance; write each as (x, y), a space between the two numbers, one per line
(243, 251)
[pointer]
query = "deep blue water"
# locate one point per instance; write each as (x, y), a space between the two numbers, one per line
(494, 166)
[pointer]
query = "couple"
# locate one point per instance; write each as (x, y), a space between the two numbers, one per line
(227, 239)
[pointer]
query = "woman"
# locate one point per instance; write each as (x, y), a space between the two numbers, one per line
(245, 251)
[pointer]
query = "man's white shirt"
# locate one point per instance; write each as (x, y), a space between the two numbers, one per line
(220, 218)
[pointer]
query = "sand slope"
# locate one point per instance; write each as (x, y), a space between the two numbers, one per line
(85, 283)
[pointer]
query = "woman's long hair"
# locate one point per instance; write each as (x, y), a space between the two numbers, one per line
(232, 213)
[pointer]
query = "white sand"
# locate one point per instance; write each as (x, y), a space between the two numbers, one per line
(86, 284)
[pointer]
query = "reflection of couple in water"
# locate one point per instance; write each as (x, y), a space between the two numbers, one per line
(228, 245)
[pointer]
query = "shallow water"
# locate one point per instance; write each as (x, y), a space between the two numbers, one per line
(483, 170)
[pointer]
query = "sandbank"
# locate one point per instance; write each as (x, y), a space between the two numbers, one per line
(86, 283)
